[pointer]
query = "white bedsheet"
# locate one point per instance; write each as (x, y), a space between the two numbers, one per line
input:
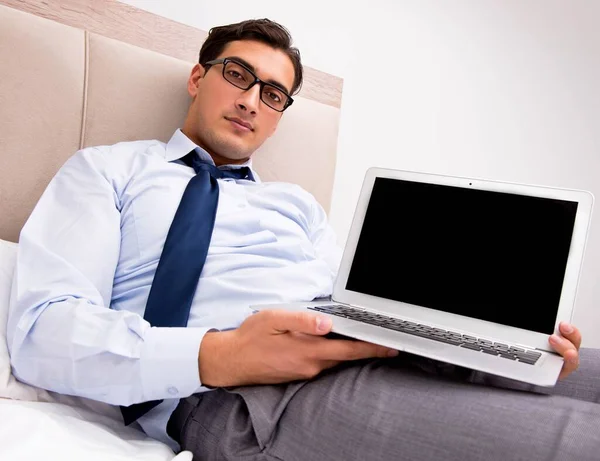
(55, 431)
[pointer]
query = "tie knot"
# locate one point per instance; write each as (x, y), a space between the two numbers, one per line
(193, 160)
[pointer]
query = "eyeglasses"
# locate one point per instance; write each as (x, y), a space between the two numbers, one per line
(240, 76)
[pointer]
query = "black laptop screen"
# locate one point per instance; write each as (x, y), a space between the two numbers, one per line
(493, 256)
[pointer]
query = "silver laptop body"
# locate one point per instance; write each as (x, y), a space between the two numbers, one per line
(472, 272)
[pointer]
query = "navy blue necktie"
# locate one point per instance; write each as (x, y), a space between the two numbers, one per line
(183, 256)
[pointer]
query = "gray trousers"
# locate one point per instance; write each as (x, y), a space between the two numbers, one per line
(406, 408)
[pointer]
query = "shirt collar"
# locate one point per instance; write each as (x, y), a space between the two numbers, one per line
(180, 145)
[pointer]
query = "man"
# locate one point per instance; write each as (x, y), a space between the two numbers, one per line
(123, 227)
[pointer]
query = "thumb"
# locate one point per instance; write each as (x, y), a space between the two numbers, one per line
(301, 322)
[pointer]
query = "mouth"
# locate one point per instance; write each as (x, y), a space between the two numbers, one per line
(240, 124)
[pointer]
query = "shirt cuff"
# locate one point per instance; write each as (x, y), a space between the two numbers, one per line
(169, 362)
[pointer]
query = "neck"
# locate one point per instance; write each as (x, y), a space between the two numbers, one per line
(217, 158)
(220, 160)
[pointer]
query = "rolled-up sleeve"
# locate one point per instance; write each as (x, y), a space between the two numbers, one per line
(62, 335)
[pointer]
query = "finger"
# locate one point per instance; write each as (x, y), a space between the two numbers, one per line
(341, 349)
(569, 353)
(571, 363)
(561, 345)
(571, 332)
(330, 364)
(302, 322)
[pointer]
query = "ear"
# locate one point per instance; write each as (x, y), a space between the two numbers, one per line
(196, 77)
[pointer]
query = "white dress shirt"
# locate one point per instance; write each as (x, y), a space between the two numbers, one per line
(89, 251)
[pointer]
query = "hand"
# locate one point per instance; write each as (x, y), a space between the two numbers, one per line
(277, 346)
(568, 347)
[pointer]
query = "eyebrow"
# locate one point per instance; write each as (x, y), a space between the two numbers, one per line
(251, 67)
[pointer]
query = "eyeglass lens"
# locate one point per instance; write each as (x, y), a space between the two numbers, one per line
(239, 76)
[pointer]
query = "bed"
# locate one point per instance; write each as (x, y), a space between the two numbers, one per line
(77, 73)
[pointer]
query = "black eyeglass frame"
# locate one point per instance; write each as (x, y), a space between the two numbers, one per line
(262, 83)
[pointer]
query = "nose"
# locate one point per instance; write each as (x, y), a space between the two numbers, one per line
(249, 100)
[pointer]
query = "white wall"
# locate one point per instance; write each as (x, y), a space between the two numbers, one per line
(499, 89)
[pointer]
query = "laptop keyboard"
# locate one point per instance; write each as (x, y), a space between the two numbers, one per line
(505, 351)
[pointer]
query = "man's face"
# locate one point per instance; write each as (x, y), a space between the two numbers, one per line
(219, 110)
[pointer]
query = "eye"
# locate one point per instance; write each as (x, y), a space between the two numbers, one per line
(273, 95)
(236, 75)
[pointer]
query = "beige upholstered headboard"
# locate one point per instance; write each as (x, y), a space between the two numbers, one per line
(63, 87)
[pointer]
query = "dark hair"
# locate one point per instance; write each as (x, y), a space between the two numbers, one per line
(261, 30)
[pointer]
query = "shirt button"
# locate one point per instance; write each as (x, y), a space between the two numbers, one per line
(173, 390)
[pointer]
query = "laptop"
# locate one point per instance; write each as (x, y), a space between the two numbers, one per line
(472, 272)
